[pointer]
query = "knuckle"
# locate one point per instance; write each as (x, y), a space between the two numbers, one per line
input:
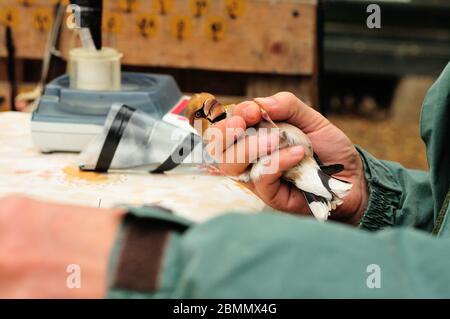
(287, 96)
(241, 107)
(237, 122)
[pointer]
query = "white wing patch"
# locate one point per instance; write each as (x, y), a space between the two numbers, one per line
(257, 170)
(309, 180)
(320, 210)
(341, 189)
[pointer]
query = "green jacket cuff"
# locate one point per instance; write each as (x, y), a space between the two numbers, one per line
(384, 194)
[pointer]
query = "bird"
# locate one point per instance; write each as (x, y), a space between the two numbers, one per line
(321, 190)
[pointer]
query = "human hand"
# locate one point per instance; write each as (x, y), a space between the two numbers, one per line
(38, 241)
(329, 143)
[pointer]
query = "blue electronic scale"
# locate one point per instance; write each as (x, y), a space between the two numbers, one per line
(67, 119)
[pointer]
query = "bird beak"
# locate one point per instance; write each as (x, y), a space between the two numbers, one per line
(213, 110)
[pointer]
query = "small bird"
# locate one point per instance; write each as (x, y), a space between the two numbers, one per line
(322, 192)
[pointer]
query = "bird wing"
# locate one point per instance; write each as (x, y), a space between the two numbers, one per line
(318, 206)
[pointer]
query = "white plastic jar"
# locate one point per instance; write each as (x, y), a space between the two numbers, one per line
(95, 70)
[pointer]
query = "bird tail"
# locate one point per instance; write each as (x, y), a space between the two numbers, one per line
(337, 187)
(319, 206)
(322, 192)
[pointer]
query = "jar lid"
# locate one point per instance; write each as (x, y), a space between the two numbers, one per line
(104, 54)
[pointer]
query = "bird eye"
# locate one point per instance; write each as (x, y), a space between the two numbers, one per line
(198, 114)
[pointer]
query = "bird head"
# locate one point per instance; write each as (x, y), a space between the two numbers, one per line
(204, 107)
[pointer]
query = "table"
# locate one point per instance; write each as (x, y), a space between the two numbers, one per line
(194, 194)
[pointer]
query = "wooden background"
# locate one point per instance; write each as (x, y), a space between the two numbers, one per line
(257, 36)
(262, 38)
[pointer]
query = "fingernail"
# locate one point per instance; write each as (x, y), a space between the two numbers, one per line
(297, 151)
(266, 101)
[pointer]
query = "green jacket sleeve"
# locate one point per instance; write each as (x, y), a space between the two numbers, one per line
(397, 196)
(273, 255)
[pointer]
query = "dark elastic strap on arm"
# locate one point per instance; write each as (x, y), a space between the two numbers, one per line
(139, 262)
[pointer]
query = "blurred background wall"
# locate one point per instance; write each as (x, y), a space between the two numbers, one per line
(375, 79)
(369, 82)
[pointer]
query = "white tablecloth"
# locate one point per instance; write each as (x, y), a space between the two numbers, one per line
(55, 177)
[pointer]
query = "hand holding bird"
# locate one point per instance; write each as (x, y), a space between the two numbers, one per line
(301, 184)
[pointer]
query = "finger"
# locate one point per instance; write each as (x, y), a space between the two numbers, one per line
(223, 134)
(247, 150)
(249, 111)
(285, 106)
(278, 193)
